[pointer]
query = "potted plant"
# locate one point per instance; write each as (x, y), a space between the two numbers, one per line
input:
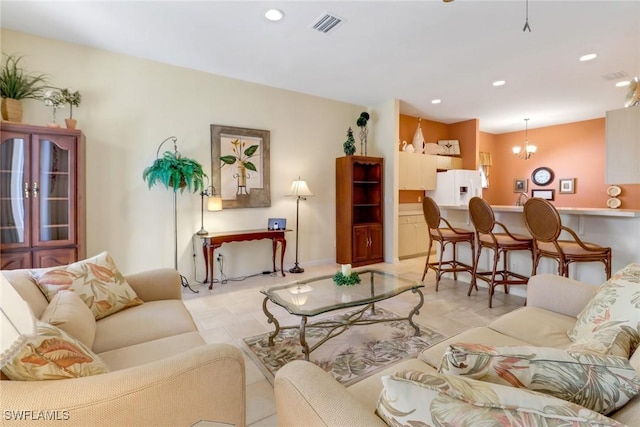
(53, 99)
(174, 171)
(15, 85)
(73, 99)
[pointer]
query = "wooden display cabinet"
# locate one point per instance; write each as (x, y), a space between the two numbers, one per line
(359, 210)
(42, 213)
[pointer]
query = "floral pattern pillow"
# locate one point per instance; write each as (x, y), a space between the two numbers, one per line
(53, 355)
(413, 398)
(610, 323)
(600, 383)
(97, 281)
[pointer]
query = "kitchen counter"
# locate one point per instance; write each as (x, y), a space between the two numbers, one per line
(615, 228)
(631, 213)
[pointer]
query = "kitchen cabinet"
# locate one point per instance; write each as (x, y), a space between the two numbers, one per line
(413, 239)
(448, 162)
(417, 171)
(42, 214)
(359, 210)
(623, 146)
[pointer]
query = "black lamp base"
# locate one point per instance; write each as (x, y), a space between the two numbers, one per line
(296, 269)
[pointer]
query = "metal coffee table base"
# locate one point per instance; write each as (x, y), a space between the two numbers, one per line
(335, 328)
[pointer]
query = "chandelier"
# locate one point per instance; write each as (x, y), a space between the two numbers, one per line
(529, 149)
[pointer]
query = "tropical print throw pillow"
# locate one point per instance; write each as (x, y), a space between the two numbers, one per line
(53, 355)
(97, 281)
(600, 383)
(413, 398)
(610, 323)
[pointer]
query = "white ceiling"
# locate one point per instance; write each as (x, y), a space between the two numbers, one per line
(414, 51)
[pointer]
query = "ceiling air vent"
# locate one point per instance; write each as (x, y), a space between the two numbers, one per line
(327, 22)
(615, 76)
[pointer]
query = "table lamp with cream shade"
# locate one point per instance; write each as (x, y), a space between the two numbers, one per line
(17, 324)
(214, 204)
(301, 191)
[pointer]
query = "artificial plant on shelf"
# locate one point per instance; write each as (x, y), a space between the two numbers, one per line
(17, 84)
(362, 124)
(174, 171)
(73, 99)
(349, 145)
(54, 99)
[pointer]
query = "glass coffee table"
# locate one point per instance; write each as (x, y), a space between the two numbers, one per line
(318, 295)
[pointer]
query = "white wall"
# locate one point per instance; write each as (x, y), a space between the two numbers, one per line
(130, 105)
(386, 130)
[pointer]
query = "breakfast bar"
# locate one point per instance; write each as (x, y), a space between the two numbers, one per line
(615, 228)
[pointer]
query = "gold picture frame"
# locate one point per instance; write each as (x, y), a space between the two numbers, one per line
(567, 186)
(520, 185)
(240, 169)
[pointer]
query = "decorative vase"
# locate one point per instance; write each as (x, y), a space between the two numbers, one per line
(11, 110)
(71, 123)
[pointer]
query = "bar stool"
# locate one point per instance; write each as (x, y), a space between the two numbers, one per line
(544, 224)
(501, 243)
(444, 236)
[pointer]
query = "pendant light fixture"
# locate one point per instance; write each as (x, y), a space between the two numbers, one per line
(529, 149)
(526, 22)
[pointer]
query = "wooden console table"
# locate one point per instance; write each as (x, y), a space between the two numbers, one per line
(212, 241)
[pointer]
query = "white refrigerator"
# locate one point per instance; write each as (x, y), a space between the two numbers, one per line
(456, 187)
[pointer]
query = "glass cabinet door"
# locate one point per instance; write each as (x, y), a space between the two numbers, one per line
(52, 189)
(14, 191)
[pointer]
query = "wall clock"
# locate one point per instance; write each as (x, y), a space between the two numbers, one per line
(542, 176)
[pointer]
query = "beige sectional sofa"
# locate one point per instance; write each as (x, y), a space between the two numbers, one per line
(161, 372)
(306, 392)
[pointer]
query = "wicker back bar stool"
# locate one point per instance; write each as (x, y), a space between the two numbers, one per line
(544, 224)
(441, 231)
(494, 235)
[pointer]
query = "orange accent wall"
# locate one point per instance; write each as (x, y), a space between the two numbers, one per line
(572, 150)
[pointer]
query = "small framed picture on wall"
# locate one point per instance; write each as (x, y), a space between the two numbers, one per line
(543, 194)
(520, 185)
(567, 186)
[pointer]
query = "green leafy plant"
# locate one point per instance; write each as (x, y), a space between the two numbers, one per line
(342, 280)
(177, 172)
(16, 83)
(241, 155)
(53, 99)
(71, 98)
(349, 145)
(363, 119)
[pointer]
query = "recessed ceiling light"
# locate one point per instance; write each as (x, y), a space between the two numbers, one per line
(588, 57)
(623, 83)
(436, 101)
(274, 14)
(499, 83)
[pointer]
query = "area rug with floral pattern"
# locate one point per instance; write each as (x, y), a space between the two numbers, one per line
(350, 357)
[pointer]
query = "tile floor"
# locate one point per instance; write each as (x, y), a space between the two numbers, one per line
(232, 311)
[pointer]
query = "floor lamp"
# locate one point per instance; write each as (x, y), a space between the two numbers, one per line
(301, 191)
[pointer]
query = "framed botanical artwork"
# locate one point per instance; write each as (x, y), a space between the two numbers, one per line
(543, 194)
(567, 186)
(520, 185)
(240, 166)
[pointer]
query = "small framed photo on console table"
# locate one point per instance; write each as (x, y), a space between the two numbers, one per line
(543, 194)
